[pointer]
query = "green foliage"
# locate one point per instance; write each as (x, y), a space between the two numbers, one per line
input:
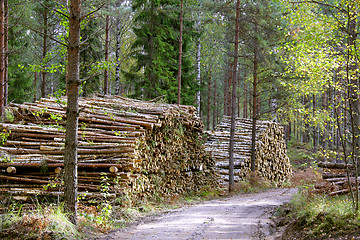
(156, 50)
(299, 153)
(91, 58)
(4, 134)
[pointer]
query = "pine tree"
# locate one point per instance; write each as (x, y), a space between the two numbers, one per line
(156, 50)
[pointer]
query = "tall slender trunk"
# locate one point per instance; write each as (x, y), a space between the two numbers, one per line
(2, 56)
(233, 103)
(6, 51)
(354, 102)
(35, 85)
(306, 133)
(180, 50)
(226, 91)
(238, 95)
(245, 96)
(117, 55)
(215, 105)
(209, 100)
(106, 72)
(198, 68)
(44, 52)
(255, 102)
(315, 139)
(72, 111)
(231, 80)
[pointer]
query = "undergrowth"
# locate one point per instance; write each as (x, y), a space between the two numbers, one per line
(44, 220)
(321, 216)
(42, 223)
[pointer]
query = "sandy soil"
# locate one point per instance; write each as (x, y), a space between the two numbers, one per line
(239, 217)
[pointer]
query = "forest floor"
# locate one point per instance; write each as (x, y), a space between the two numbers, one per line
(238, 217)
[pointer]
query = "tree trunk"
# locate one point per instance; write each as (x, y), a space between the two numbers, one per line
(2, 56)
(117, 54)
(209, 100)
(226, 92)
(306, 133)
(229, 106)
(44, 52)
(233, 102)
(35, 83)
(6, 51)
(72, 111)
(245, 110)
(314, 128)
(255, 103)
(238, 95)
(106, 72)
(354, 103)
(180, 51)
(198, 68)
(215, 105)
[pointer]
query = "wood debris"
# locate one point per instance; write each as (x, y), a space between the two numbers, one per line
(272, 163)
(337, 181)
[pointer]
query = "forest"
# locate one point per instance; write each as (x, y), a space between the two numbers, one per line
(291, 62)
(293, 58)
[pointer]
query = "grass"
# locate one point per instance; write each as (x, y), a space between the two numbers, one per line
(47, 220)
(322, 216)
(300, 154)
(42, 223)
(316, 215)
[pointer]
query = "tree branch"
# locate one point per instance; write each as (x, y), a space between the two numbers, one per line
(90, 13)
(62, 14)
(323, 4)
(85, 79)
(42, 34)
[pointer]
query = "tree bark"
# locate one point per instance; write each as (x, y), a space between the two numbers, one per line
(117, 54)
(255, 103)
(245, 104)
(72, 111)
(198, 68)
(229, 106)
(6, 51)
(2, 54)
(209, 100)
(233, 101)
(35, 85)
(215, 105)
(44, 52)
(352, 68)
(226, 91)
(180, 50)
(106, 72)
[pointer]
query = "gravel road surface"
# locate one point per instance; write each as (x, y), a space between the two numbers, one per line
(239, 217)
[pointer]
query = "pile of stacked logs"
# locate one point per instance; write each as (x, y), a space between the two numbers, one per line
(126, 146)
(336, 181)
(272, 163)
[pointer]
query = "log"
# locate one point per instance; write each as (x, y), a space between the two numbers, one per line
(334, 165)
(156, 147)
(11, 170)
(113, 169)
(58, 170)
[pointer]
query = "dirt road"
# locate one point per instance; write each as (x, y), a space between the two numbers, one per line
(238, 217)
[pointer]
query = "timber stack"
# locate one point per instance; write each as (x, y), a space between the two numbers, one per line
(272, 163)
(338, 178)
(125, 146)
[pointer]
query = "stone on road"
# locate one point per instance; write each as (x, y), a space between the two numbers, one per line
(239, 217)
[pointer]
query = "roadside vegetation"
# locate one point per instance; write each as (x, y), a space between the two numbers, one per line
(31, 220)
(313, 214)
